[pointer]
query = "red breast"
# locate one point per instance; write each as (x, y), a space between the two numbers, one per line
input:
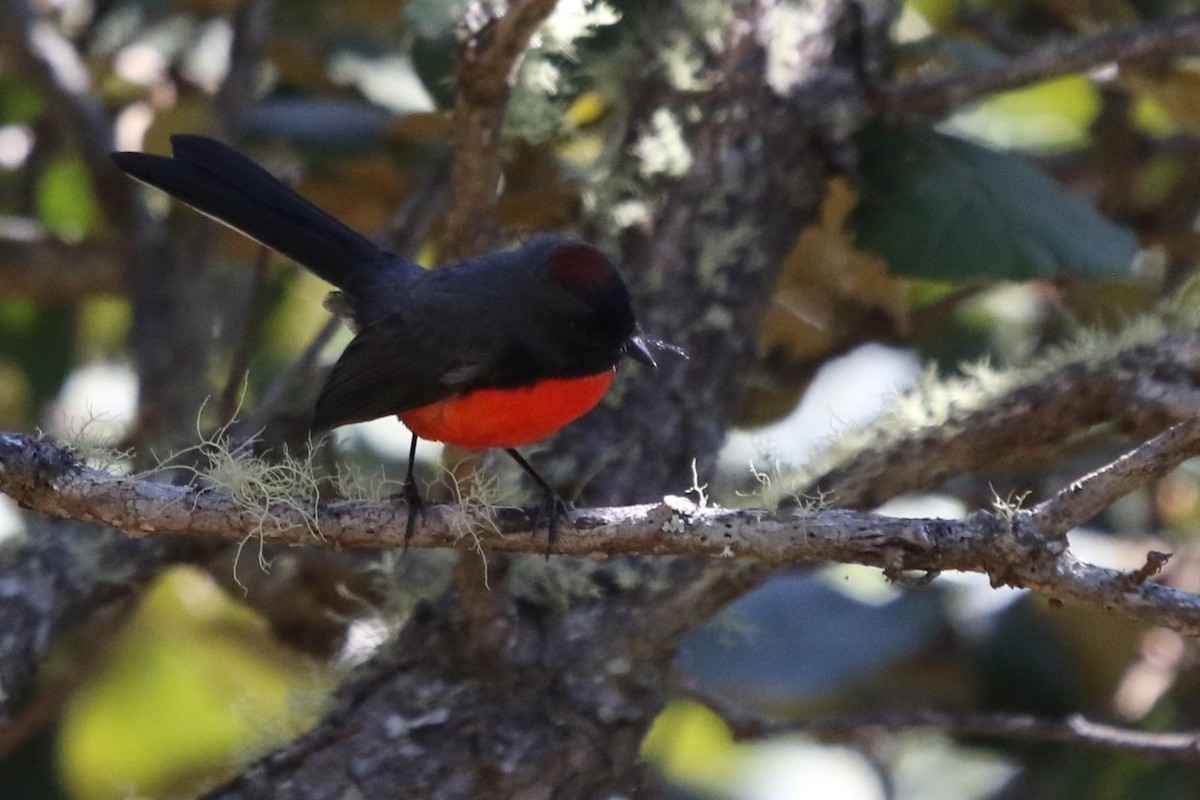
(508, 417)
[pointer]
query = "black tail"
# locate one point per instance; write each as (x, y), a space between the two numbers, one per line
(219, 181)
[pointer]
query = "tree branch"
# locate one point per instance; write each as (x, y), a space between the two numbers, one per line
(947, 93)
(1015, 548)
(1076, 729)
(1140, 389)
(486, 69)
(65, 573)
(1096, 491)
(50, 271)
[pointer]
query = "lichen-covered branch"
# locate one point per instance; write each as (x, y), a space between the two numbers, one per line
(1015, 548)
(1141, 388)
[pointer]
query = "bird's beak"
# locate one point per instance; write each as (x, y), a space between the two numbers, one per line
(636, 348)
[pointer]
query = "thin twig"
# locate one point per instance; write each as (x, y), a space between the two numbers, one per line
(1155, 563)
(947, 93)
(253, 317)
(1182, 746)
(1091, 494)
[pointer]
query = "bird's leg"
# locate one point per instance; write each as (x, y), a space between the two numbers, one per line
(552, 506)
(411, 495)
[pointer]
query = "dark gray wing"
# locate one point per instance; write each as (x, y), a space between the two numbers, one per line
(393, 366)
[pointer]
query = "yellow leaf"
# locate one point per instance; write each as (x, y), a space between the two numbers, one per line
(192, 685)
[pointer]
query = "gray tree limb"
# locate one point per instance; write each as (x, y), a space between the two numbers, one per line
(1013, 547)
(943, 94)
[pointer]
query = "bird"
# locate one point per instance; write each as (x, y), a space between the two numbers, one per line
(497, 351)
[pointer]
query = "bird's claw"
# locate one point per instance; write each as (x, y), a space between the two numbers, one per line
(551, 509)
(410, 496)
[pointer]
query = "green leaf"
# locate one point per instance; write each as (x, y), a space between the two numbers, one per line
(1053, 115)
(943, 208)
(66, 201)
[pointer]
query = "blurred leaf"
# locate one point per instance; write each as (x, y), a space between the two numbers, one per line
(1175, 93)
(1051, 115)
(691, 746)
(104, 323)
(937, 13)
(1025, 665)
(192, 684)
(40, 341)
(1158, 178)
(14, 396)
(944, 208)
(785, 644)
(589, 107)
(826, 282)
(1152, 118)
(66, 201)
(20, 101)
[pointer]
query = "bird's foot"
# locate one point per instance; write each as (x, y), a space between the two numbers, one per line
(550, 511)
(410, 496)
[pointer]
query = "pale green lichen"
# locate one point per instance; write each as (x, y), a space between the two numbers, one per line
(722, 251)
(936, 402)
(683, 63)
(537, 109)
(572, 21)
(1008, 508)
(792, 31)
(661, 149)
(93, 443)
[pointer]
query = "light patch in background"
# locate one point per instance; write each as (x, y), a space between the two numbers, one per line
(141, 63)
(797, 47)
(364, 636)
(389, 81)
(789, 770)
(129, 132)
(388, 437)
(931, 766)
(11, 523)
(16, 143)
(973, 602)
(573, 20)
(206, 62)
(97, 402)
(936, 506)
(846, 392)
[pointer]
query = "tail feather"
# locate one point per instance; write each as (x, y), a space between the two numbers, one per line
(222, 183)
